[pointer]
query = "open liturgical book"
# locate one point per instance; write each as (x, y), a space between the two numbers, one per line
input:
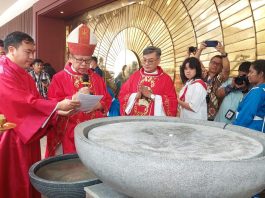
(88, 101)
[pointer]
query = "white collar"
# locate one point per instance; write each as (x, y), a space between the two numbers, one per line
(73, 68)
(189, 81)
(155, 72)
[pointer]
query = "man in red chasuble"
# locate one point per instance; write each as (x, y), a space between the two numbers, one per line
(22, 105)
(149, 91)
(68, 83)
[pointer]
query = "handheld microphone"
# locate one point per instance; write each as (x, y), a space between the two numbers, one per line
(85, 79)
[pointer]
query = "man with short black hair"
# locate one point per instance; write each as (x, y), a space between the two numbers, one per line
(22, 104)
(149, 91)
(218, 72)
(41, 78)
(94, 66)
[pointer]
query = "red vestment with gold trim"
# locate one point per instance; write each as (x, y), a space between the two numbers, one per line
(159, 84)
(65, 84)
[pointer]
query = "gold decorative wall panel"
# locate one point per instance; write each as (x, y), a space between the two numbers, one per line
(174, 25)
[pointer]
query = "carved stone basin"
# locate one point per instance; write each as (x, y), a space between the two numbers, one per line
(62, 176)
(169, 157)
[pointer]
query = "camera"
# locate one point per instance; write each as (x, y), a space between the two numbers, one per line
(44, 80)
(207, 98)
(240, 80)
(192, 49)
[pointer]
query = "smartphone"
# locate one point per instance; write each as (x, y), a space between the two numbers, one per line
(230, 114)
(211, 43)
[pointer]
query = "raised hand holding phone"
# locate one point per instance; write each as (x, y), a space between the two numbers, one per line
(211, 43)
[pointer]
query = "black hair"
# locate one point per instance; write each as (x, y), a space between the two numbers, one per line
(259, 66)
(47, 64)
(244, 66)
(37, 60)
(94, 59)
(151, 49)
(217, 56)
(194, 63)
(15, 39)
(49, 69)
(1, 43)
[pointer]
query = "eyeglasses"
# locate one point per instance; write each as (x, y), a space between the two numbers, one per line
(215, 63)
(80, 60)
(149, 62)
(39, 65)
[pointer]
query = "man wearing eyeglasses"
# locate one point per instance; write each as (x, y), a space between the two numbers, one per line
(218, 72)
(68, 83)
(149, 91)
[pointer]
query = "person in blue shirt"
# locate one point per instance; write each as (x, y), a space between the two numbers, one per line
(94, 66)
(251, 111)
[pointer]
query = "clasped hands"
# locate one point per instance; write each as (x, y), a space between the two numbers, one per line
(144, 92)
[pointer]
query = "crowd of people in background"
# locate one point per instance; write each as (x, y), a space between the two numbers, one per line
(207, 94)
(48, 103)
(236, 100)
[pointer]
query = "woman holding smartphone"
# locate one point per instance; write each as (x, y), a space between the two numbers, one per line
(192, 97)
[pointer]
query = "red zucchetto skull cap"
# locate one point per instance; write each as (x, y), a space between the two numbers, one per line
(81, 41)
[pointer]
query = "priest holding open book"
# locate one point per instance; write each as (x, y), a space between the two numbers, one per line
(78, 82)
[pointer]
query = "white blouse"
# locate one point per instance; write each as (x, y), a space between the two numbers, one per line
(196, 97)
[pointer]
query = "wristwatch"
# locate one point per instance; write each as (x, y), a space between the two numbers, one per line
(152, 96)
(224, 55)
